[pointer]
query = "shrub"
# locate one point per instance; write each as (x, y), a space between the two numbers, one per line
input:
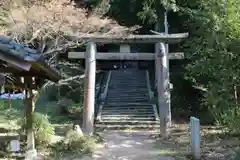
(237, 156)
(42, 127)
(75, 143)
(64, 105)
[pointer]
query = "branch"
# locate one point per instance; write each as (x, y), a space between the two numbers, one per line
(71, 79)
(158, 33)
(61, 48)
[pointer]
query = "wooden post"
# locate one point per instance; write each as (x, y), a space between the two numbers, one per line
(125, 48)
(163, 91)
(31, 151)
(89, 93)
(157, 65)
(167, 52)
(195, 138)
(166, 28)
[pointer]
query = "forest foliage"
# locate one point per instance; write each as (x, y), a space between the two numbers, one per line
(212, 47)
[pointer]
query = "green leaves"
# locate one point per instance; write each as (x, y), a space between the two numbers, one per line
(3, 17)
(170, 5)
(214, 52)
(152, 10)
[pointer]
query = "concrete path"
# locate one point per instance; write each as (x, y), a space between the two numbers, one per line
(128, 146)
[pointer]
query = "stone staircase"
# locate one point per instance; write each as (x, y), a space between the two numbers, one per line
(127, 103)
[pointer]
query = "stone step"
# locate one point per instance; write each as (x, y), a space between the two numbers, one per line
(123, 96)
(119, 102)
(125, 99)
(124, 127)
(128, 71)
(134, 83)
(138, 80)
(136, 73)
(128, 79)
(122, 104)
(129, 82)
(126, 87)
(128, 101)
(128, 115)
(128, 90)
(132, 77)
(126, 109)
(126, 112)
(132, 110)
(126, 74)
(126, 122)
(128, 95)
(121, 76)
(128, 118)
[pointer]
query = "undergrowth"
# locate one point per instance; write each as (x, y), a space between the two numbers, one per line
(74, 143)
(42, 127)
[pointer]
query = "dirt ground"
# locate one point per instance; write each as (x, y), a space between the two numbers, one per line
(215, 145)
(127, 145)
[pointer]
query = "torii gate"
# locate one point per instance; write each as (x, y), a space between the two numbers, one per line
(160, 56)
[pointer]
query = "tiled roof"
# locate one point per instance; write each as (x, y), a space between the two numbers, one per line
(10, 51)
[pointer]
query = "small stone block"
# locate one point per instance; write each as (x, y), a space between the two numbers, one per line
(195, 137)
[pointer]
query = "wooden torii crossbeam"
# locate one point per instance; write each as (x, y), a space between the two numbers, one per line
(166, 38)
(124, 56)
(161, 58)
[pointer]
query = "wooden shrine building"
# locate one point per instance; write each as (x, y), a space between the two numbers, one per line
(21, 62)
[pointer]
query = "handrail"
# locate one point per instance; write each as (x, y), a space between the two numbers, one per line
(150, 94)
(98, 88)
(103, 95)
